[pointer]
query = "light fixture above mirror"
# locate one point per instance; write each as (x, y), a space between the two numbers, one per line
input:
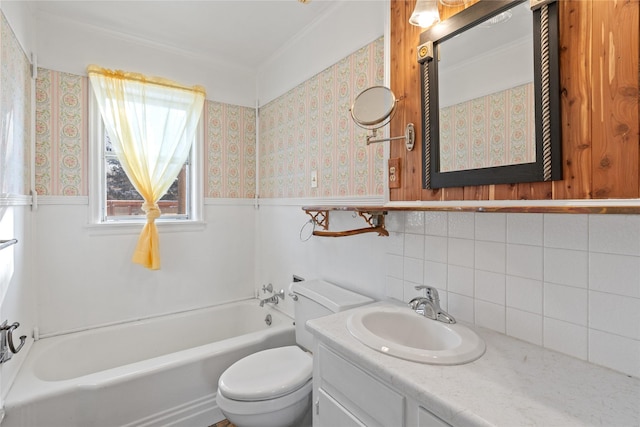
(373, 108)
(425, 14)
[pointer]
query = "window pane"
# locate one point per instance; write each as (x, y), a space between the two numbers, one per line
(122, 197)
(123, 200)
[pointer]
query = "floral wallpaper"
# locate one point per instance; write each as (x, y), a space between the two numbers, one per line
(494, 130)
(61, 134)
(15, 114)
(310, 129)
(230, 140)
(62, 141)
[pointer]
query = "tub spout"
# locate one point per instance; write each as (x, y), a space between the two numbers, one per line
(273, 298)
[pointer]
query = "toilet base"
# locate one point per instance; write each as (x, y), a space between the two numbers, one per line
(298, 415)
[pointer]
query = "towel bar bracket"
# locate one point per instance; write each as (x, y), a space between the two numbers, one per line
(373, 217)
(7, 243)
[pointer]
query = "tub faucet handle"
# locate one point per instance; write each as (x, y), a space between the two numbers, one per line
(267, 288)
(7, 348)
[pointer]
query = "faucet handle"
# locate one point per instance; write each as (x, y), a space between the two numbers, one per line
(267, 288)
(432, 293)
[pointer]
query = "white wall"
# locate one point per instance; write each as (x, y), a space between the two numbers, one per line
(17, 288)
(349, 26)
(77, 288)
(65, 45)
(354, 262)
(18, 293)
(86, 277)
(22, 21)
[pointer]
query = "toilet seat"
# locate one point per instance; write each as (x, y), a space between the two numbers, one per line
(267, 374)
(263, 407)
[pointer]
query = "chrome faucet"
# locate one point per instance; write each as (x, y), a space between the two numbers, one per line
(273, 298)
(429, 306)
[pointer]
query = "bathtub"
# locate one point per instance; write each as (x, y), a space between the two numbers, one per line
(155, 372)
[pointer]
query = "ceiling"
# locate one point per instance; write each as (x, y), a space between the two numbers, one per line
(243, 33)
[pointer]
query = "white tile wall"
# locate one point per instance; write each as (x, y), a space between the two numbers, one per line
(570, 283)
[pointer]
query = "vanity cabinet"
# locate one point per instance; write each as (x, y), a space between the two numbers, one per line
(346, 395)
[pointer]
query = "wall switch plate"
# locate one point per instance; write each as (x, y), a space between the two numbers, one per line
(314, 179)
(394, 173)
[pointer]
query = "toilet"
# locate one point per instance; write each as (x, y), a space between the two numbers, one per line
(272, 388)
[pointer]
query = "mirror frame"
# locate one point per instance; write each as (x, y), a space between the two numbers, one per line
(548, 164)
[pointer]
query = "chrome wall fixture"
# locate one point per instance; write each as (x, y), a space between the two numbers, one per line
(7, 348)
(374, 108)
(7, 243)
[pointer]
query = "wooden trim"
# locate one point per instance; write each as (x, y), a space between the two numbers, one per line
(548, 209)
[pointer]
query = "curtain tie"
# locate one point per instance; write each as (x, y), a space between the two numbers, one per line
(152, 210)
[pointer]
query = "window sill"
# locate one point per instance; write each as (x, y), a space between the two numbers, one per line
(134, 227)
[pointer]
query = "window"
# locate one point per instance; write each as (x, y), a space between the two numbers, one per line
(124, 202)
(113, 198)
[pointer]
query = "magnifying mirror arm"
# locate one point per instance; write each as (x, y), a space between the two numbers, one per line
(409, 137)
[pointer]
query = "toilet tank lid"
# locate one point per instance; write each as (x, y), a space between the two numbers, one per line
(329, 295)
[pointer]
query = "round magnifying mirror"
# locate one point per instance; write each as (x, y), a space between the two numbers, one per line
(373, 107)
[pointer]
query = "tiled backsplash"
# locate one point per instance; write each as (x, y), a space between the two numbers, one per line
(570, 283)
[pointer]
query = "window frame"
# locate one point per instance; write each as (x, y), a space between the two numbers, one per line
(97, 179)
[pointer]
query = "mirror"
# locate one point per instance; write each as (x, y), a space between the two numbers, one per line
(491, 96)
(373, 108)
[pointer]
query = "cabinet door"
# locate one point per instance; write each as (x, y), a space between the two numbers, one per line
(327, 412)
(372, 402)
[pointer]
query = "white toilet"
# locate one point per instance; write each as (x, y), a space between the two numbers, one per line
(272, 388)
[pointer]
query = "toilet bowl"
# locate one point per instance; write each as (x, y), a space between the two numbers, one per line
(272, 388)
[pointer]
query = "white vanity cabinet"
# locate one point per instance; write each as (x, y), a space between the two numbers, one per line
(345, 395)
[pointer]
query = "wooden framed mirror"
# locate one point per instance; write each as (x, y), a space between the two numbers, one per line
(491, 95)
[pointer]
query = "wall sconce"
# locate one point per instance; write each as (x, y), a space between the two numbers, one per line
(373, 108)
(425, 14)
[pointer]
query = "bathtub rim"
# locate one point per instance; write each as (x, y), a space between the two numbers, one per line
(28, 387)
(37, 335)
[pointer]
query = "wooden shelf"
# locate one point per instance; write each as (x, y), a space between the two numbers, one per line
(561, 207)
(373, 216)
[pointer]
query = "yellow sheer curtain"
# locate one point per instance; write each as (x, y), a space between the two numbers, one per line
(151, 123)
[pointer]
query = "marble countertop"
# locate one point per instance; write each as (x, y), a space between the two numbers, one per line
(513, 384)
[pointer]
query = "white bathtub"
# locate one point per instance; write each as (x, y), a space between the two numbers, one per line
(156, 372)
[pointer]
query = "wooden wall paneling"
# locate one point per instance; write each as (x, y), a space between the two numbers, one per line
(477, 192)
(575, 81)
(504, 192)
(453, 193)
(398, 86)
(599, 48)
(615, 99)
(535, 191)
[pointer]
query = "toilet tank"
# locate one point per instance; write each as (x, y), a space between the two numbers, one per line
(317, 298)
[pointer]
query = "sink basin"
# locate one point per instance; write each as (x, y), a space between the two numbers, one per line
(402, 333)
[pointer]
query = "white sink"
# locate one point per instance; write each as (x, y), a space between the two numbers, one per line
(402, 333)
